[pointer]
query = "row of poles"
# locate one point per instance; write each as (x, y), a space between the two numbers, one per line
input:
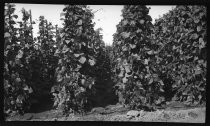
(56, 26)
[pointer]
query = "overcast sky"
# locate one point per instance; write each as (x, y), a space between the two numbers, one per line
(107, 16)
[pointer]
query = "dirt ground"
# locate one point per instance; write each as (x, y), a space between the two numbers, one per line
(120, 113)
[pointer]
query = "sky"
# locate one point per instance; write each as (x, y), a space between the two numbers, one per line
(107, 16)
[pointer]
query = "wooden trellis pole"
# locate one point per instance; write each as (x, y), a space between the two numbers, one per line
(47, 29)
(56, 30)
(56, 34)
(31, 24)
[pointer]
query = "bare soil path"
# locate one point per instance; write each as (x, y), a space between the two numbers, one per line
(120, 113)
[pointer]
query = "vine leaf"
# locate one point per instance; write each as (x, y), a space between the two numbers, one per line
(121, 73)
(79, 22)
(91, 62)
(194, 36)
(146, 61)
(82, 60)
(67, 41)
(62, 35)
(132, 46)
(132, 22)
(201, 43)
(161, 82)
(124, 80)
(125, 34)
(138, 31)
(197, 71)
(6, 35)
(141, 21)
(76, 55)
(151, 80)
(127, 69)
(65, 49)
(196, 20)
(125, 22)
(20, 54)
(199, 28)
(150, 52)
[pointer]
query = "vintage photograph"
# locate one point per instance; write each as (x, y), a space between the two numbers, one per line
(127, 63)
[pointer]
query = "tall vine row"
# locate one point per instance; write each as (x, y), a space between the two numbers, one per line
(160, 63)
(182, 36)
(137, 77)
(147, 66)
(78, 53)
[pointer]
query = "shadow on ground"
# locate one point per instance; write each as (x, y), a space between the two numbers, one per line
(44, 103)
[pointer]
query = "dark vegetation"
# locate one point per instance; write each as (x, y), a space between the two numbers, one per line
(71, 69)
(163, 62)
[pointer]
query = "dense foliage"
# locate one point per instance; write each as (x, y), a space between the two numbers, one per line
(161, 62)
(29, 65)
(147, 66)
(17, 50)
(44, 62)
(137, 77)
(181, 33)
(80, 53)
(72, 60)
